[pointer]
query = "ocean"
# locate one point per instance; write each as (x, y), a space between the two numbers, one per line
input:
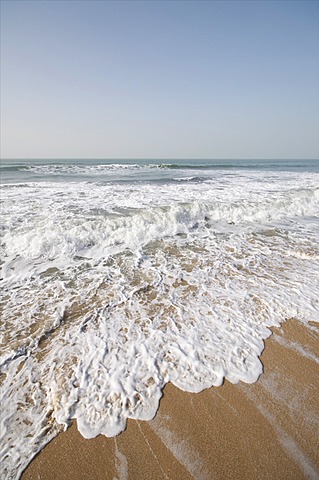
(121, 276)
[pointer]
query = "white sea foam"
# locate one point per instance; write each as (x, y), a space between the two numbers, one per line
(111, 290)
(62, 169)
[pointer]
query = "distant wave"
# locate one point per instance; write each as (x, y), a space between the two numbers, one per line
(214, 166)
(11, 168)
(76, 169)
(92, 168)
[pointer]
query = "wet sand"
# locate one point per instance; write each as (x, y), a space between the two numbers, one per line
(268, 430)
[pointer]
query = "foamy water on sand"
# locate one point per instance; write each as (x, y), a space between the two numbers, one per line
(119, 278)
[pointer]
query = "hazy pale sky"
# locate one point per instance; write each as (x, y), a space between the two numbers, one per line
(160, 79)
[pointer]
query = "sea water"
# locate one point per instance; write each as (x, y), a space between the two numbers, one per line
(120, 276)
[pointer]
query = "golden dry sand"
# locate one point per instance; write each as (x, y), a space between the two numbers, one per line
(268, 430)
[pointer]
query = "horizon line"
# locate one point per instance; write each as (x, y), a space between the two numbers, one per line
(159, 158)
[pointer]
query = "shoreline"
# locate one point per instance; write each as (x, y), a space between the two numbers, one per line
(268, 429)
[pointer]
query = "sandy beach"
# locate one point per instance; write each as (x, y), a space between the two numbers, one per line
(267, 430)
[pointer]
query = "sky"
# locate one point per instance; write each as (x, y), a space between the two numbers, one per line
(159, 79)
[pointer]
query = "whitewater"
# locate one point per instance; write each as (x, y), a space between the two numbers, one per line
(118, 277)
